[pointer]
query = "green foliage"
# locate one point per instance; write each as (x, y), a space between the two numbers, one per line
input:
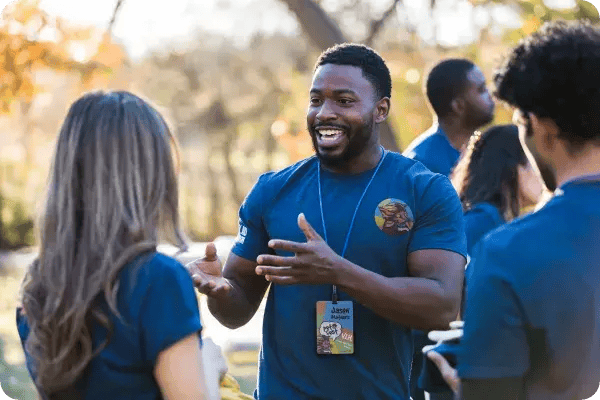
(16, 228)
(596, 4)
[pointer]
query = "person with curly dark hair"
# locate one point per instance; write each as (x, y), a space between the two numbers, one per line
(494, 181)
(532, 318)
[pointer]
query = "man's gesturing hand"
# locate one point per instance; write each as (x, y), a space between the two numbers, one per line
(313, 262)
(206, 274)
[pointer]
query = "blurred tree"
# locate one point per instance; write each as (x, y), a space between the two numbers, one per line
(323, 23)
(222, 101)
(34, 44)
(24, 49)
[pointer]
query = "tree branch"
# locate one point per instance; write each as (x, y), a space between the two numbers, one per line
(378, 24)
(114, 16)
(319, 27)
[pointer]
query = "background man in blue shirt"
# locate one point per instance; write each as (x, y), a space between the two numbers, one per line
(459, 98)
(532, 319)
(380, 227)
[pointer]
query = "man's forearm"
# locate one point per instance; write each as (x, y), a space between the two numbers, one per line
(419, 303)
(235, 309)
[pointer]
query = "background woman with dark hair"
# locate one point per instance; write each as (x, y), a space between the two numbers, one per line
(104, 315)
(494, 181)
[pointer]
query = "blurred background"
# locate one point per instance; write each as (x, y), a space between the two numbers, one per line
(232, 78)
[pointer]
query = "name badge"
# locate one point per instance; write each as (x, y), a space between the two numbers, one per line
(335, 327)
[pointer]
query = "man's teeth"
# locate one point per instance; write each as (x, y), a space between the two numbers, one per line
(330, 132)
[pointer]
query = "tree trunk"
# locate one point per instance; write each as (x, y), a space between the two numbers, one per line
(230, 135)
(324, 33)
(214, 198)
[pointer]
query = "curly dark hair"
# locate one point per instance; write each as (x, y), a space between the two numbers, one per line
(446, 81)
(487, 171)
(368, 60)
(553, 74)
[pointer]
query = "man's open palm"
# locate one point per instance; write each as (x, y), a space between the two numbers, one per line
(206, 274)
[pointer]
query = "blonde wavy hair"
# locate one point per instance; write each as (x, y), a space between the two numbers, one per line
(112, 192)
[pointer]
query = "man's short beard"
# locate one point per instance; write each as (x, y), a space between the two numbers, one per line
(477, 123)
(340, 160)
(356, 145)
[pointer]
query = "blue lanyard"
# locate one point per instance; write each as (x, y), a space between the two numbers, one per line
(334, 293)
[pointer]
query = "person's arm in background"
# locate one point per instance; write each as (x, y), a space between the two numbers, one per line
(476, 389)
(494, 353)
(179, 371)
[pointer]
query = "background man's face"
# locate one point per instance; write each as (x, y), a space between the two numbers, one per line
(479, 109)
(340, 115)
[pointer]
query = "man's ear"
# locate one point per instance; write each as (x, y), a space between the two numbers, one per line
(382, 110)
(458, 106)
(547, 129)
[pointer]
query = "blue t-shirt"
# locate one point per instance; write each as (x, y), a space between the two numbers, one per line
(159, 307)
(406, 208)
(533, 301)
(434, 150)
(480, 219)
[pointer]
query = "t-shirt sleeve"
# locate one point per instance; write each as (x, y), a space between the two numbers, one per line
(252, 239)
(494, 344)
(169, 311)
(23, 330)
(428, 162)
(439, 220)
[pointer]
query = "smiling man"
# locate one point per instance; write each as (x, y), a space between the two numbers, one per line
(359, 245)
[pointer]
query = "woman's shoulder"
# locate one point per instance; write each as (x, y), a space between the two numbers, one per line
(481, 219)
(153, 265)
(152, 273)
(484, 210)
(22, 326)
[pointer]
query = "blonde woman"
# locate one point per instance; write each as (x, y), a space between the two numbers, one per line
(103, 315)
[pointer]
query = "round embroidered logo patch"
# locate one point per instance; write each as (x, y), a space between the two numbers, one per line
(394, 217)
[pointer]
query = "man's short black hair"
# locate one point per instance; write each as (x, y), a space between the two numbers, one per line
(555, 73)
(368, 60)
(446, 81)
